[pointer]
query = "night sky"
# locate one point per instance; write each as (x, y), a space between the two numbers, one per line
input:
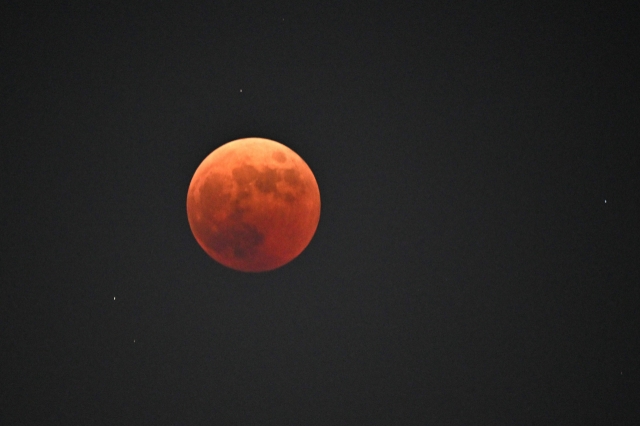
(476, 260)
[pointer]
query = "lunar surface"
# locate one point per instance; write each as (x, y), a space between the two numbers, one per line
(253, 205)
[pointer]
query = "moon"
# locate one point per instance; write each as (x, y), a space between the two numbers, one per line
(253, 205)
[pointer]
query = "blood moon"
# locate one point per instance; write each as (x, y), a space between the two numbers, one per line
(253, 205)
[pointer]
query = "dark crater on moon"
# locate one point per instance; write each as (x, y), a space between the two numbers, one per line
(242, 238)
(266, 180)
(279, 157)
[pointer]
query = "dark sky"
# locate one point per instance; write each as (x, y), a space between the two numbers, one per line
(476, 260)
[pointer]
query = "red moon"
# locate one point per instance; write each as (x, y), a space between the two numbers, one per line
(253, 205)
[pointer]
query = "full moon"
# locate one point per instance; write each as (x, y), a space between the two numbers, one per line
(253, 205)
